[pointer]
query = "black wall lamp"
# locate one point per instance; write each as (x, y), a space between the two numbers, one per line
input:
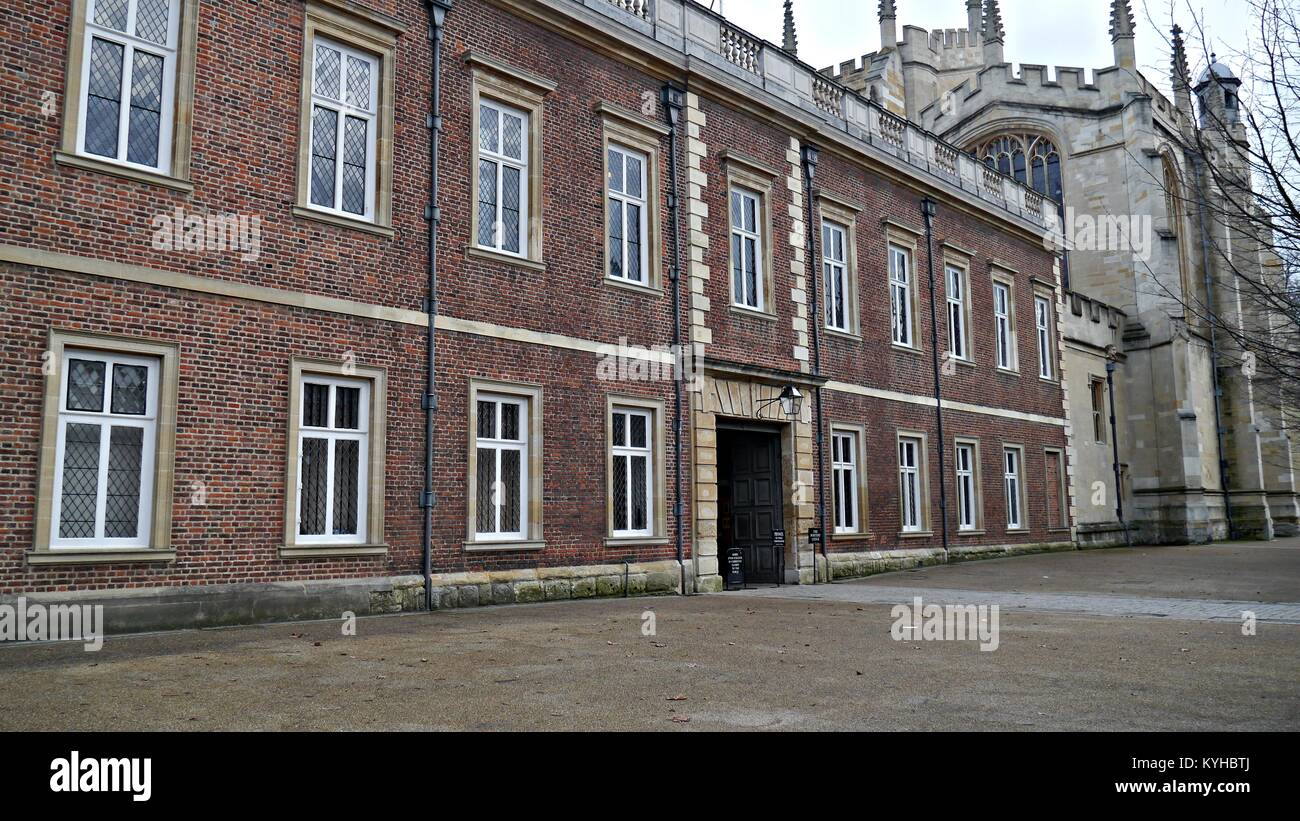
(791, 400)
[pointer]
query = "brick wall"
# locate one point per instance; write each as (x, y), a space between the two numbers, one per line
(235, 352)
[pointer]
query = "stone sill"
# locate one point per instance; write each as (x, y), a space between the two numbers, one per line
(331, 551)
(126, 172)
(637, 541)
(497, 547)
(103, 556)
(752, 313)
(634, 287)
(339, 221)
(475, 252)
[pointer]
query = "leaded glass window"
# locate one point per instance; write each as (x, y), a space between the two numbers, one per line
(967, 491)
(958, 343)
(344, 122)
(835, 273)
(501, 475)
(844, 474)
(909, 478)
(1015, 519)
(1043, 330)
(627, 214)
(128, 81)
(333, 460)
(1031, 159)
(746, 249)
(632, 477)
(105, 451)
(900, 296)
(1004, 337)
(502, 178)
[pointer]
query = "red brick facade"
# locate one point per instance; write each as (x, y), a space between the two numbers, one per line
(78, 256)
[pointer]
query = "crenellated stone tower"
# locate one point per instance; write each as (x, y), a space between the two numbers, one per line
(1196, 448)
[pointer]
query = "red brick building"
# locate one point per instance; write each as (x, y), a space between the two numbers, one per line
(215, 257)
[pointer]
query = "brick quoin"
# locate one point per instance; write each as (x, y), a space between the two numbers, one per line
(235, 352)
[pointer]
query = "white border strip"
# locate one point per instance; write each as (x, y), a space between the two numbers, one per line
(928, 401)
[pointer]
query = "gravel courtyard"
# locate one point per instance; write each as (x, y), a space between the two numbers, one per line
(1142, 639)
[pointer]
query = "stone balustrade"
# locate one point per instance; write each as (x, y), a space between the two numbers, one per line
(699, 33)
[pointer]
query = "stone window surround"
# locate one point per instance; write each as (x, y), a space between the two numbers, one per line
(1003, 276)
(845, 214)
(1025, 526)
(1050, 453)
(923, 468)
(178, 178)
(160, 549)
(859, 431)
(954, 256)
(532, 393)
(372, 34)
(905, 237)
(977, 478)
(629, 130)
(658, 471)
(514, 87)
(1098, 410)
(374, 545)
(745, 172)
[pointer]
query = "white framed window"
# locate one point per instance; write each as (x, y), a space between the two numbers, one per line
(503, 196)
(632, 472)
(1012, 475)
(1002, 328)
(501, 478)
(1043, 328)
(900, 295)
(344, 127)
(333, 460)
(746, 248)
(910, 486)
(967, 489)
(844, 473)
(957, 337)
(127, 108)
(628, 219)
(835, 275)
(105, 451)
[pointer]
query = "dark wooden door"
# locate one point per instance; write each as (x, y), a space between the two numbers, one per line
(752, 503)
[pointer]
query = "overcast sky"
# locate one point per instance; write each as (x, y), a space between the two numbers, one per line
(1048, 32)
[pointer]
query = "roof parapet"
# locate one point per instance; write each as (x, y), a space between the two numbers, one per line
(702, 34)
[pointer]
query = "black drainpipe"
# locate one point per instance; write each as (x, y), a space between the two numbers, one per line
(928, 209)
(809, 155)
(1114, 450)
(1210, 311)
(429, 402)
(673, 99)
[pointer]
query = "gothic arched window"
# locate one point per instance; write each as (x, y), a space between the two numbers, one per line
(1175, 220)
(1031, 159)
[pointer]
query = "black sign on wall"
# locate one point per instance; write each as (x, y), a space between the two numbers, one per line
(814, 535)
